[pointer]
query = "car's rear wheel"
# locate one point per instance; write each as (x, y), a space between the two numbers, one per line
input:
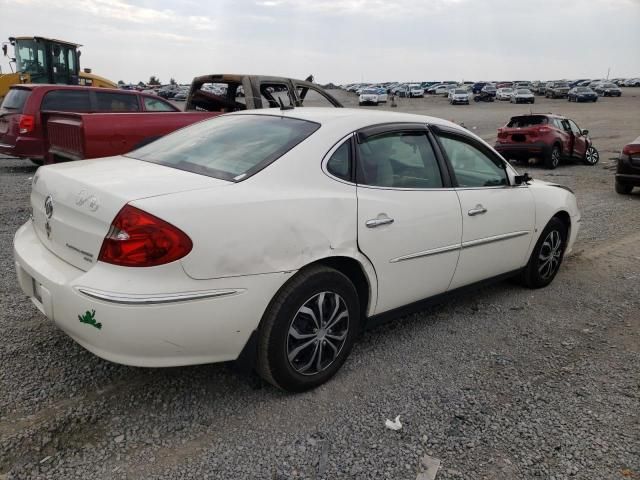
(591, 156)
(308, 329)
(547, 255)
(553, 160)
(623, 188)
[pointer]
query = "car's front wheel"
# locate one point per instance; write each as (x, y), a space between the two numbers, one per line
(591, 156)
(547, 255)
(308, 329)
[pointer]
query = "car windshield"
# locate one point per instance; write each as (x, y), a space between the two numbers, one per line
(582, 89)
(460, 91)
(489, 87)
(370, 91)
(507, 90)
(228, 147)
(527, 121)
(562, 85)
(524, 91)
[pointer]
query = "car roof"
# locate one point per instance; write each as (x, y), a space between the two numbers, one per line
(349, 118)
(53, 86)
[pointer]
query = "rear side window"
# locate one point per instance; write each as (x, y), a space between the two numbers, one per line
(157, 105)
(67, 101)
(15, 100)
(117, 102)
(228, 147)
(339, 164)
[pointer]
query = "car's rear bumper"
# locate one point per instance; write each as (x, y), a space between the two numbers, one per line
(149, 317)
(24, 147)
(523, 151)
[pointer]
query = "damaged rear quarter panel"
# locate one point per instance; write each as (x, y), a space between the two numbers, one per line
(288, 215)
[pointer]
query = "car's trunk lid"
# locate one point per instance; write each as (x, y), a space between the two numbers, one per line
(74, 203)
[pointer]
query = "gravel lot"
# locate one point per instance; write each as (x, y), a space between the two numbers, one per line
(503, 383)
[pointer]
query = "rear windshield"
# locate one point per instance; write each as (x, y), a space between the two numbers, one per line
(15, 100)
(527, 121)
(228, 147)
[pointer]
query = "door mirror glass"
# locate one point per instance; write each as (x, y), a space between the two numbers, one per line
(585, 132)
(520, 179)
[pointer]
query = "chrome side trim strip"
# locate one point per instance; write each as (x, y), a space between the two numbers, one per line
(154, 299)
(496, 238)
(451, 248)
(426, 253)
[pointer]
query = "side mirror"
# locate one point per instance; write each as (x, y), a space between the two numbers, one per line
(520, 179)
(585, 132)
(4, 49)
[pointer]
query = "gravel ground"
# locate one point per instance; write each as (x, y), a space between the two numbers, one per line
(502, 383)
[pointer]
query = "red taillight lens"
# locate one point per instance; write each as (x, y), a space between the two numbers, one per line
(544, 129)
(502, 133)
(27, 123)
(139, 239)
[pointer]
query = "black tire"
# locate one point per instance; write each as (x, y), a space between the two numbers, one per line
(547, 255)
(623, 188)
(274, 349)
(591, 156)
(553, 159)
(360, 104)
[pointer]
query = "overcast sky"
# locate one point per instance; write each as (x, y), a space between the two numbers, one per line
(340, 40)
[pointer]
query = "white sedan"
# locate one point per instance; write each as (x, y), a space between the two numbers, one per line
(504, 93)
(274, 237)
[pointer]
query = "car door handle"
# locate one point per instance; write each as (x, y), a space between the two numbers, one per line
(478, 210)
(376, 222)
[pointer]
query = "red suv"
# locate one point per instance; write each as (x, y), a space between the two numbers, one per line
(547, 137)
(21, 123)
(628, 171)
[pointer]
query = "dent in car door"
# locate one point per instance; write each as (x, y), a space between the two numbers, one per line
(409, 222)
(497, 218)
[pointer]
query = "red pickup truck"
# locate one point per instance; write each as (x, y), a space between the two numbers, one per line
(22, 123)
(77, 136)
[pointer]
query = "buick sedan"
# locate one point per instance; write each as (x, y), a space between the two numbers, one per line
(274, 237)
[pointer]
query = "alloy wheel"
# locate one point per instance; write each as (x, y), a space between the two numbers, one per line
(555, 156)
(550, 254)
(592, 156)
(317, 333)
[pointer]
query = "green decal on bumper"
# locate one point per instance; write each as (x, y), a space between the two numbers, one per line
(90, 318)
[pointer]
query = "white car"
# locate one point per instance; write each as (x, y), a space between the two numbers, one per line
(275, 237)
(504, 93)
(458, 96)
(369, 96)
(416, 91)
(522, 95)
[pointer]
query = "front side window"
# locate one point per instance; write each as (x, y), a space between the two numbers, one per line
(156, 105)
(574, 128)
(66, 101)
(472, 167)
(31, 59)
(117, 102)
(228, 147)
(309, 97)
(398, 160)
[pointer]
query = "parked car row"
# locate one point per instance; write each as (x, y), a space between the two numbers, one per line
(515, 92)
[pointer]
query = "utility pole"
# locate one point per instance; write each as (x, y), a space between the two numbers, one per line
(608, 70)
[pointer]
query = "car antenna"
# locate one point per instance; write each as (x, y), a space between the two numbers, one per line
(283, 106)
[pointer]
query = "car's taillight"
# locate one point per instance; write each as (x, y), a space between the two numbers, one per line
(543, 130)
(502, 133)
(138, 239)
(27, 123)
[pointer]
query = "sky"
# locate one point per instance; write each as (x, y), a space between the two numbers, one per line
(340, 41)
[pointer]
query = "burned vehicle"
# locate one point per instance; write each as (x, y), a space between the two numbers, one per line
(231, 93)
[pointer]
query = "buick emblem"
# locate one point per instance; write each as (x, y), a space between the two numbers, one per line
(48, 206)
